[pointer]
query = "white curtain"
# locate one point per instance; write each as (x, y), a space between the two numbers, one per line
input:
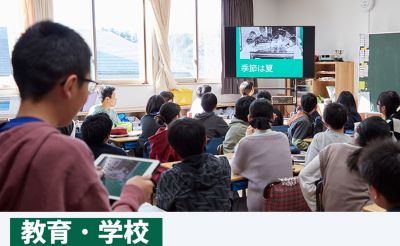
(162, 74)
(37, 10)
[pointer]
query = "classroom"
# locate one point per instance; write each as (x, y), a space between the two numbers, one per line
(199, 105)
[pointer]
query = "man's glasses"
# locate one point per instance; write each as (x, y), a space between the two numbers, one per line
(92, 85)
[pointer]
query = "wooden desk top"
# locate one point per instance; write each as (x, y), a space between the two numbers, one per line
(125, 139)
(297, 168)
(373, 208)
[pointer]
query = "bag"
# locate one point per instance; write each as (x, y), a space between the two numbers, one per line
(284, 195)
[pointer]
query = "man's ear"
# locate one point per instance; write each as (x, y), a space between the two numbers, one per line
(249, 118)
(68, 87)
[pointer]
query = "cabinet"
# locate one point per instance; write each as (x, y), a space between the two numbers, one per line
(339, 75)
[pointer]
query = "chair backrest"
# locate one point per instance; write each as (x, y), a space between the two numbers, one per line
(318, 193)
(146, 149)
(212, 145)
(283, 128)
(220, 149)
(284, 195)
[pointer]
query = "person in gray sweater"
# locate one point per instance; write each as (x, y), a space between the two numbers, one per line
(261, 166)
(239, 124)
(335, 117)
(344, 189)
(215, 126)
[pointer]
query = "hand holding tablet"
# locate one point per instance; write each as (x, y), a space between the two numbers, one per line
(144, 183)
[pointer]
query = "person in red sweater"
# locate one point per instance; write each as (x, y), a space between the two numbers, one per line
(41, 169)
(160, 148)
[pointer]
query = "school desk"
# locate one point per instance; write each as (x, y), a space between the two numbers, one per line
(127, 143)
(373, 208)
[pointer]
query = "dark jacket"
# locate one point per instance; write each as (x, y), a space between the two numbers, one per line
(351, 119)
(279, 118)
(198, 183)
(99, 149)
(215, 126)
(149, 127)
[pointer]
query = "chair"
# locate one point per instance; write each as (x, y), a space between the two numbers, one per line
(220, 149)
(283, 128)
(318, 194)
(285, 195)
(212, 145)
(146, 149)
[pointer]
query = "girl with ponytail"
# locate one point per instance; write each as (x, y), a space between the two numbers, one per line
(263, 155)
(159, 145)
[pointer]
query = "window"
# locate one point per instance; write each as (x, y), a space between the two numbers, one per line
(5, 65)
(195, 40)
(118, 40)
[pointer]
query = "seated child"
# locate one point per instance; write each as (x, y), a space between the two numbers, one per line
(335, 117)
(347, 100)
(380, 167)
(246, 88)
(108, 102)
(201, 182)
(301, 126)
(95, 132)
(160, 147)
(196, 105)
(238, 125)
(278, 116)
(216, 127)
(167, 95)
(263, 155)
(344, 189)
(388, 103)
(148, 123)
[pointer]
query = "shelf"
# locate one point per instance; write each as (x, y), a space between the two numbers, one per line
(326, 72)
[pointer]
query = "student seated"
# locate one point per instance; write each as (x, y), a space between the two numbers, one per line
(388, 104)
(347, 100)
(344, 189)
(95, 132)
(301, 126)
(246, 88)
(167, 95)
(51, 171)
(380, 167)
(148, 123)
(196, 105)
(108, 101)
(263, 155)
(238, 125)
(278, 116)
(216, 127)
(69, 129)
(160, 148)
(201, 182)
(335, 117)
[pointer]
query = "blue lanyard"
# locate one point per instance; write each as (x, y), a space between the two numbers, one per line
(17, 122)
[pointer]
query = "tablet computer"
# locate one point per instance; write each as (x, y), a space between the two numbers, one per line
(119, 169)
(299, 158)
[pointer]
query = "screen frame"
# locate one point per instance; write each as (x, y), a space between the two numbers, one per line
(153, 165)
(308, 57)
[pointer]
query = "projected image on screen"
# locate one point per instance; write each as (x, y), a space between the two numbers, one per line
(270, 43)
(269, 52)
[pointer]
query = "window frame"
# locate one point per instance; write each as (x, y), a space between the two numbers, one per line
(197, 79)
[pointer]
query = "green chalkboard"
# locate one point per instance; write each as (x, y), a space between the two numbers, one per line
(384, 65)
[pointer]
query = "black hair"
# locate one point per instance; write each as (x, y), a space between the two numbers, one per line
(335, 115)
(308, 102)
(107, 92)
(45, 55)
(209, 102)
(67, 130)
(262, 113)
(370, 129)
(167, 95)
(347, 100)
(379, 165)
(242, 106)
(187, 137)
(265, 95)
(168, 112)
(203, 89)
(154, 104)
(246, 87)
(96, 128)
(391, 101)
